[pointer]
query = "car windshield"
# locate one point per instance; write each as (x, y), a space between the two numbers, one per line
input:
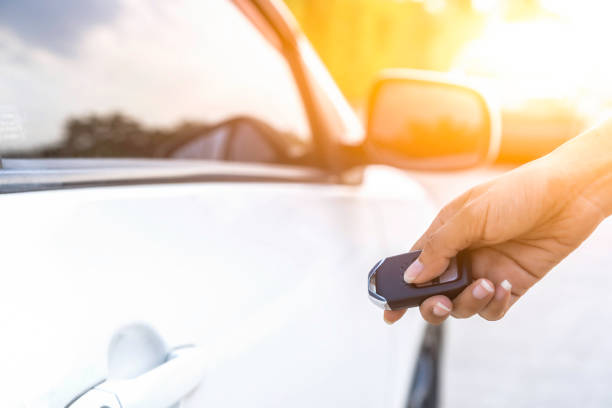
(124, 78)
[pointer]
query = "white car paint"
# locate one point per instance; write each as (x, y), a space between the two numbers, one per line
(270, 278)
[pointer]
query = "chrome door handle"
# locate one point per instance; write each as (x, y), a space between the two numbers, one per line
(161, 387)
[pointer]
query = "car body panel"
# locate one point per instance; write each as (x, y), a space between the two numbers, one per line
(269, 277)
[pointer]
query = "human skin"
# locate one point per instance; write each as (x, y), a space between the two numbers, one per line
(516, 227)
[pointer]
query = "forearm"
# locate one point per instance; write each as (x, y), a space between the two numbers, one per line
(584, 164)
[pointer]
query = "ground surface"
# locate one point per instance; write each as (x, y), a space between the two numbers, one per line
(553, 349)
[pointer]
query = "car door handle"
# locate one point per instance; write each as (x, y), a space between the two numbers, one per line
(161, 387)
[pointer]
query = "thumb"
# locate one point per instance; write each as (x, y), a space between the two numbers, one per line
(458, 233)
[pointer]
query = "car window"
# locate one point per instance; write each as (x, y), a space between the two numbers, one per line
(248, 144)
(143, 79)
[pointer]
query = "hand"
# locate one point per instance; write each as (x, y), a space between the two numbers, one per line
(517, 228)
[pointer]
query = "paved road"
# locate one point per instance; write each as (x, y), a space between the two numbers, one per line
(553, 349)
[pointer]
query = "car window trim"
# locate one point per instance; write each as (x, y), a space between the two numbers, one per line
(23, 175)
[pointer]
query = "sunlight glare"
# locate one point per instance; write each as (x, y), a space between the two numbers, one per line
(561, 57)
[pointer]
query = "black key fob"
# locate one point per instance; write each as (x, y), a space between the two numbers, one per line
(388, 290)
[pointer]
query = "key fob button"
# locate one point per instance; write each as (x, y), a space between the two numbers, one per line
(387, 288)
(451, 272)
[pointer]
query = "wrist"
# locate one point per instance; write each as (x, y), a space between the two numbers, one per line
(584, 165)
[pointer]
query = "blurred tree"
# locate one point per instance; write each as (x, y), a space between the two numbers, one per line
(358, 38)
(116, 135)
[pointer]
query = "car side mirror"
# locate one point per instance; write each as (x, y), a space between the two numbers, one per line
(423, 120)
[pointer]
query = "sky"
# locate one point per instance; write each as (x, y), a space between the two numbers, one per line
(161, 63)
(56, 25)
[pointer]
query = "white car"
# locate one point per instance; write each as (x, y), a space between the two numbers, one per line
(221, 262)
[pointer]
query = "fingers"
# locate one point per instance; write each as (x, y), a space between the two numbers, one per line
(480, 297)
(445, 214)
(458, 233)
(497, 307)
(392, 316)
(436, 309)
(473, 299)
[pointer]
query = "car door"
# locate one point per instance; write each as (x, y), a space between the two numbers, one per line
(266, 279)
(250, 285)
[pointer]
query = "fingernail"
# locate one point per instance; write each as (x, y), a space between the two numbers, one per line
(413, 271)
(389, 322)
(482, 289)
(506, 285)
(440, 309)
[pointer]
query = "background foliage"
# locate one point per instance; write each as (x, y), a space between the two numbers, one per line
(358, 38)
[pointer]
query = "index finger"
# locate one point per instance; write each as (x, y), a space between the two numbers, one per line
(446, 213)
(461, 231)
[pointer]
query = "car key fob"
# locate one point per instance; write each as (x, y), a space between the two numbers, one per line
(387, 288)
